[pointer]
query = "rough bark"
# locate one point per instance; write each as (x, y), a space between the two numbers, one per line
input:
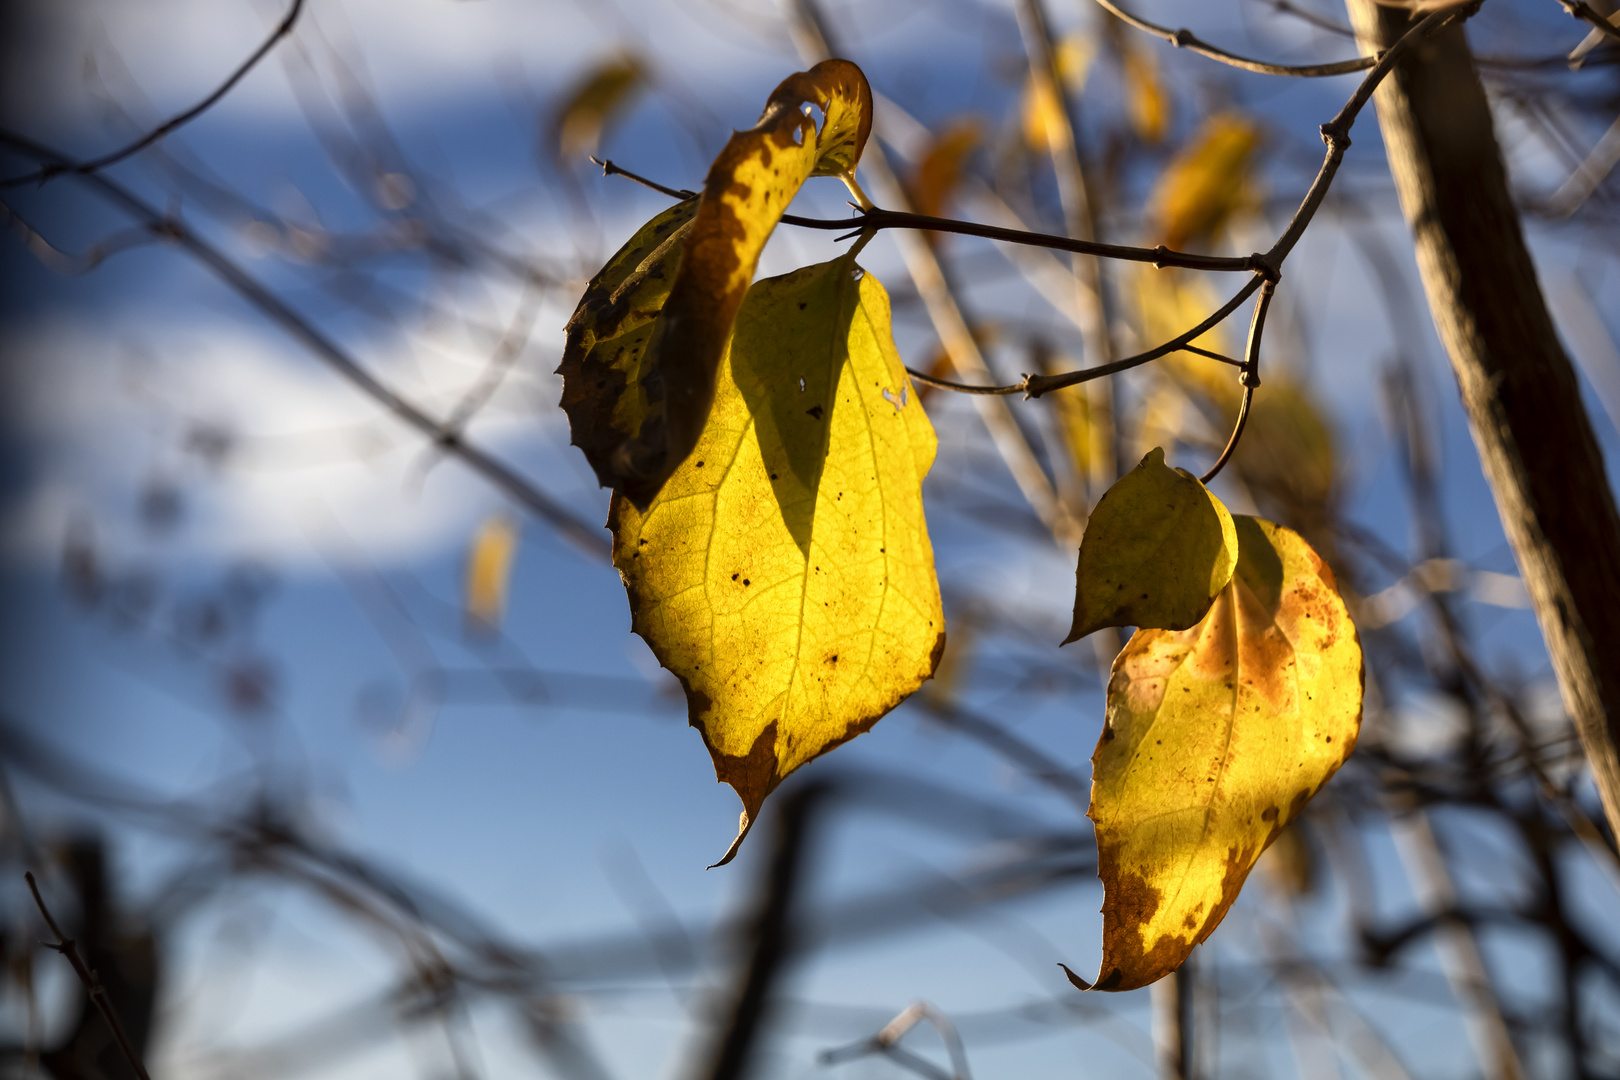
(1517, 384)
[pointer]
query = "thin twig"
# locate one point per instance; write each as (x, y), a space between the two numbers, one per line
(1580, 10)
(1186, 39)
(92, 982)
(1251, 378)
(283, 28)
(887, 1042)
(877, 219)
(577, 531)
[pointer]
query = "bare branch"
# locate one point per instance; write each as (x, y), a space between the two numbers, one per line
(283, 28)
(1186, 39)
(92, 983)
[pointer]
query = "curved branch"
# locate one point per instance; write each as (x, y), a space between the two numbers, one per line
(1035, 385)
(283, 28)
(1251, 378)
(1186, 39)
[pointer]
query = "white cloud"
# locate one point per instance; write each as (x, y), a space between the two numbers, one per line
(313, 468)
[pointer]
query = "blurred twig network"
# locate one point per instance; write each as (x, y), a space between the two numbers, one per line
(322, 728)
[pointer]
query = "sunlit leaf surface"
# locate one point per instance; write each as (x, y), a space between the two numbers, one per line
(784, 573)
(1216, 737)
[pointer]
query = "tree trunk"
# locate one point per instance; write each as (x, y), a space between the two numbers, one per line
(1517, 384)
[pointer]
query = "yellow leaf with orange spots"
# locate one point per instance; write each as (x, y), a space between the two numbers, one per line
(1215, 739)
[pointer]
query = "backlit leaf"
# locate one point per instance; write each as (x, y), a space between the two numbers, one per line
(1216, 737)
(1205, 182)
(784, 573)
(1157, 550)
(599, 97)
(748, 187)
(489, 568)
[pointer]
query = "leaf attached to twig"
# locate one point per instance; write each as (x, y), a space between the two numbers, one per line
(1215, 739)
(784, 573)
(657, 420)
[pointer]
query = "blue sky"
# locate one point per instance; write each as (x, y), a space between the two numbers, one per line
(545, 819)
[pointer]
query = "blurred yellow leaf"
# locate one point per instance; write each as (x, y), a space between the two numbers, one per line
(940, 170)
(1040, 115)
(1288, 448)
(1205, 182)
(1074, 54)
(1040, 112)
(599, 97)
(1215, 739)
(663, 387)
(1147, 101)
(489, 568)
(1157, 550)
(784, 573)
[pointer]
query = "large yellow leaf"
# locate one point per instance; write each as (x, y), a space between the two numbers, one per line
(1215, 739)
(784, 572)
(1157, 550)
(1205, 182)
(747, 189)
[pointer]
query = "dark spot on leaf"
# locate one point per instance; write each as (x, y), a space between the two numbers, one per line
(734, 577)
(814, 411)
(1269, 814)
(747, 582)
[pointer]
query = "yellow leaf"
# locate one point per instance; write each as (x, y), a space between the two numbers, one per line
(1073, 55)
(1205, 182)
(1215, 739)
(744, 195)
(940, 170)
(1041, 115)
(489, 568)
(1147, 102)
(599, 97)
(1157, 550)
(784, 573)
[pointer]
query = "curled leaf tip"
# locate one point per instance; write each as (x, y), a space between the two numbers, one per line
(1079, 983)
(641, 404)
